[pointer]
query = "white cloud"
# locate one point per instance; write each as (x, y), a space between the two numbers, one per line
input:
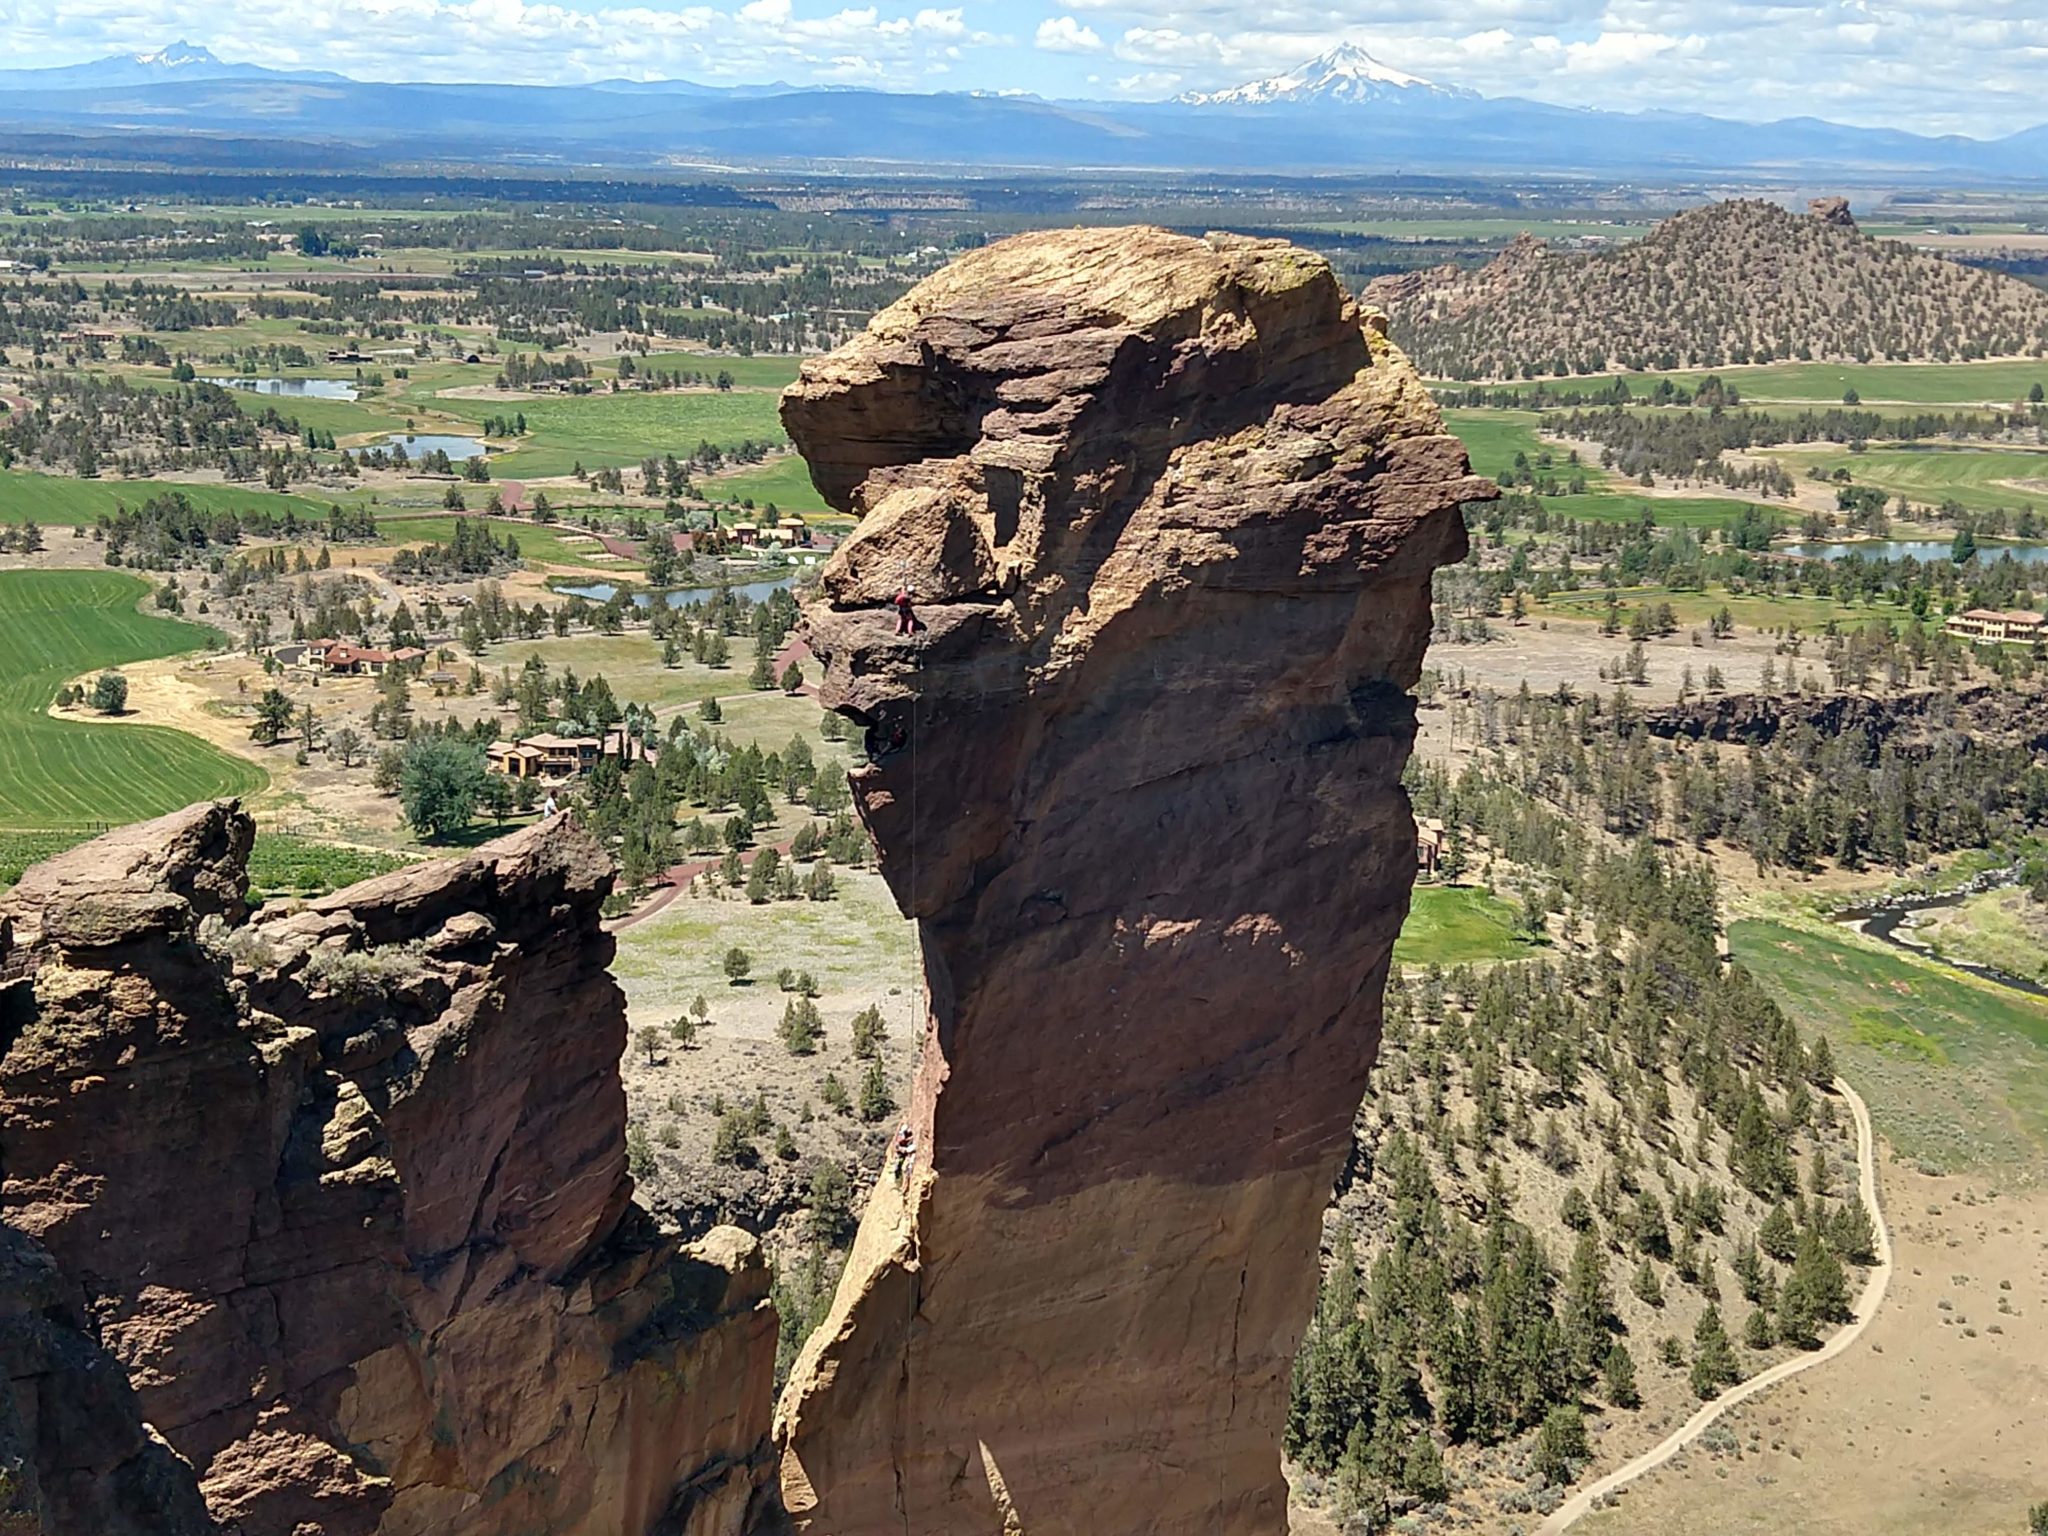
(1930, 65)
(1625, 50)
(1148, 83)
(1063, 34)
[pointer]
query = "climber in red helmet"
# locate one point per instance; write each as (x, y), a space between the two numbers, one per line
(906, 619)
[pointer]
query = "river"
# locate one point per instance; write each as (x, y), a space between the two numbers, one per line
(1882, 920)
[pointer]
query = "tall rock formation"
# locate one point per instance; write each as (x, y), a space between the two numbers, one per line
(343, 1189)
(1170, 509)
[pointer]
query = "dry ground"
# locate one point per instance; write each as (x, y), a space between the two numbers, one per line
(1931, 1425)
(1548, 653)
(860, 951)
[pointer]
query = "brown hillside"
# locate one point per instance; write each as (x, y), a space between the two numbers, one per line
(1736, 282)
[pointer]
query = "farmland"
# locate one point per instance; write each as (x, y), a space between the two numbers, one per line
(57, 501)
(1977, 478)
(57, 625)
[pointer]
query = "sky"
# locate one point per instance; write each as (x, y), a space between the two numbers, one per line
(1932, 66)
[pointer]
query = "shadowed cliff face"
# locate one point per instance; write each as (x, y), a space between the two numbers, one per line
(1170, 508)
(343, 1189)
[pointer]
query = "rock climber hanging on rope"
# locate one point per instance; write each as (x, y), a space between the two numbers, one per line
(906, 617)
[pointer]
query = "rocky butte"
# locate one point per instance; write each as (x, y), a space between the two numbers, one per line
(1170, 508)
(343, 1190)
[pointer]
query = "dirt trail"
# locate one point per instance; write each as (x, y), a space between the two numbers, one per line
(1867, 1304)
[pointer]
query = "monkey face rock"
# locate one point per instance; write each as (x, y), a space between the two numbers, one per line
(1167, 511)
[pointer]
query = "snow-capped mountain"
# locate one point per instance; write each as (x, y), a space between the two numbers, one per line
(181, 55)
(177, 63)
(1345, 73)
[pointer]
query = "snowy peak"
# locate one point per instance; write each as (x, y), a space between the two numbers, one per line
(178, 55)
(1345, 73)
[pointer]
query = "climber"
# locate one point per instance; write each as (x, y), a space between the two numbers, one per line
(906, 1152)
(906, 620)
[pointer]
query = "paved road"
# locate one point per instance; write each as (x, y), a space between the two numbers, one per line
(1866, 1308)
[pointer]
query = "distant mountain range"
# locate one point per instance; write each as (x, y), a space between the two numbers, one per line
(1344, 111)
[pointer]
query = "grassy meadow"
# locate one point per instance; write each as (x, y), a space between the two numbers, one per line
(55, 773)
(1457, 925)
(56, 501)
(1979, 478)
(1956, 1070)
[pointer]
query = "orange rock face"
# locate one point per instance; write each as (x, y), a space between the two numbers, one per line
(345, 1191)
(1170, 509)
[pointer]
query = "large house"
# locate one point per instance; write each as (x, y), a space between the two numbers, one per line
(2016, 626)
(340, 659)
(549, 756)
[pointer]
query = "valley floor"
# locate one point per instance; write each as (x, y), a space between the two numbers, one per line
(1930, 1423)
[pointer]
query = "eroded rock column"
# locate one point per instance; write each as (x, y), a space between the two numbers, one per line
(1168, 509)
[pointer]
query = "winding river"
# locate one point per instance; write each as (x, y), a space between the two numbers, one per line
(1884, 919)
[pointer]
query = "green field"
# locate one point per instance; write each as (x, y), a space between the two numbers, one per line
(1665, 511)
(1493, 438)
(1956, 1071)
(1875, 383)
(1697, 608)
(598, 431)
(785, 481)
(1457, 925)
(55, 501)
(57, 625)
(769, 371)
(1973, 477)
(554, 544)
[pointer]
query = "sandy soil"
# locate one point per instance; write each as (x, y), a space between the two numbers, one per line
(1551, 652)
(1930, 1426)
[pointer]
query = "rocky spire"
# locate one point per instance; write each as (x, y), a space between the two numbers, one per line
(1168, 509)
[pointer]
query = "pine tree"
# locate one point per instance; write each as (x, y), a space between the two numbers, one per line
(1646, 1286)
(1423, 1473)
(1618, 1371)
(1820, 1065)
(1586, 1306)
(1777, 1236)
(1713, 1359)
(1560, 1446)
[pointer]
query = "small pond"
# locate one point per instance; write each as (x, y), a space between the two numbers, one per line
(1923, 550)
(752, 591)
(297, 389)
(418, 445)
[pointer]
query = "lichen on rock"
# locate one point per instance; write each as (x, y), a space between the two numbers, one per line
(1168, 509)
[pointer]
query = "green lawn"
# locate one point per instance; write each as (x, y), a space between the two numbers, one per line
(1956, 1071)
(55, 501)
(1975, 477)
(605, 430)
(765, 372)
(1493, 438)
(785, 481)
(1457, 925)
(56, 625)
(555, 544)
(1696, 608)
(1665, 511)
(1875, 383)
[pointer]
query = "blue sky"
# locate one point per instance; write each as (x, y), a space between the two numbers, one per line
(1974, 66)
